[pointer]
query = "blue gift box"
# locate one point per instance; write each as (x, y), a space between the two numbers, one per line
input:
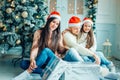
(54, 69)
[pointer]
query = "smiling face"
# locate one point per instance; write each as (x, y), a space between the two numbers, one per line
(54, 24)
(75, 30)
(87, 27)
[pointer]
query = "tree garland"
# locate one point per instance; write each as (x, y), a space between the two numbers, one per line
(91, 5)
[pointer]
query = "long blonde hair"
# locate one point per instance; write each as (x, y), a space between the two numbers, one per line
(90, 38)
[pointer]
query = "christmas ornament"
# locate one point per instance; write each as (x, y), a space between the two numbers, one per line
(9, 0)
(24, 14)
(16, 17)
(18, 41)
(1, 24)
(23, 1)
(36, 7)
(37, 16)
(95, 1)
(3, 41)
(1, 3)
(16, 29)
(9, 10)
(4, 29)
(91, 16)
(12, 4)
(31, 0)
(90, 6)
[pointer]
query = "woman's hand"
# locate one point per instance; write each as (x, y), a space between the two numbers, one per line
(97, 59)
(32, 64)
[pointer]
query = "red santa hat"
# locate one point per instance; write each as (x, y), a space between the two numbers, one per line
(54, 14)
(74, 21)
(87, 20)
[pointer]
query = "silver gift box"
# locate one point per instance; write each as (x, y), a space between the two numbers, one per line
(58, 69)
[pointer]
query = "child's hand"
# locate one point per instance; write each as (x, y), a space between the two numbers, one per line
(97, 59)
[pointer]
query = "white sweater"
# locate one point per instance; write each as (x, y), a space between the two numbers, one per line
(83, 41)
(71, 41)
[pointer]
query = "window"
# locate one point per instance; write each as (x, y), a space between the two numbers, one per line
(79, 7)
(53, 5)
(71, 6)
(75, 6)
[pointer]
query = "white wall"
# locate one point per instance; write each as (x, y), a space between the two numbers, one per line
(117, 42)
(117, 33)
(106, 23)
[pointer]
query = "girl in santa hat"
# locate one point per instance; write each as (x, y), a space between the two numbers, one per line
(47, 43)
(87, 39)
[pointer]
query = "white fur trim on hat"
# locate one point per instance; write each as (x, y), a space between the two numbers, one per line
(74, 24)
(58, 17)
(88, 21)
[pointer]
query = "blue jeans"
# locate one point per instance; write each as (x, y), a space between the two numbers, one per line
(44, 57)
(72, 56)
(41, 60)
(103, 59)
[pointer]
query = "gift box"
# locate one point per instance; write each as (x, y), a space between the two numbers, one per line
(82, 71)
(54, 69)
(57, 69)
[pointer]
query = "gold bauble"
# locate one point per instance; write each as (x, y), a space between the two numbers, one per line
(4, 29)
(9, 0)
(16, 17)
(3, 41)
(91, 16)
(16, 29)
(12, 4)
(36, 7)
(8, 10)
(37, 16)
(18, 41)
(24, 14)
(1, 24)
(23, 1)
(95, 1)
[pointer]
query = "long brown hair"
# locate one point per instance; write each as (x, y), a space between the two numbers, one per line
(43, 42)
(90, 38)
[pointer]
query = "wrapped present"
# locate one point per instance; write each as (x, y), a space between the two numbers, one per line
(58, 69)
(82, 71)
(54, 69)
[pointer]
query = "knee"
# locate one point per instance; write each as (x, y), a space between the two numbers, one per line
(72, 50)
(99, 53)
(24, 64)
(47, 49)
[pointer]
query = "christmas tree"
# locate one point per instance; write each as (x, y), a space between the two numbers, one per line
(19, 19)
(92, 10)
